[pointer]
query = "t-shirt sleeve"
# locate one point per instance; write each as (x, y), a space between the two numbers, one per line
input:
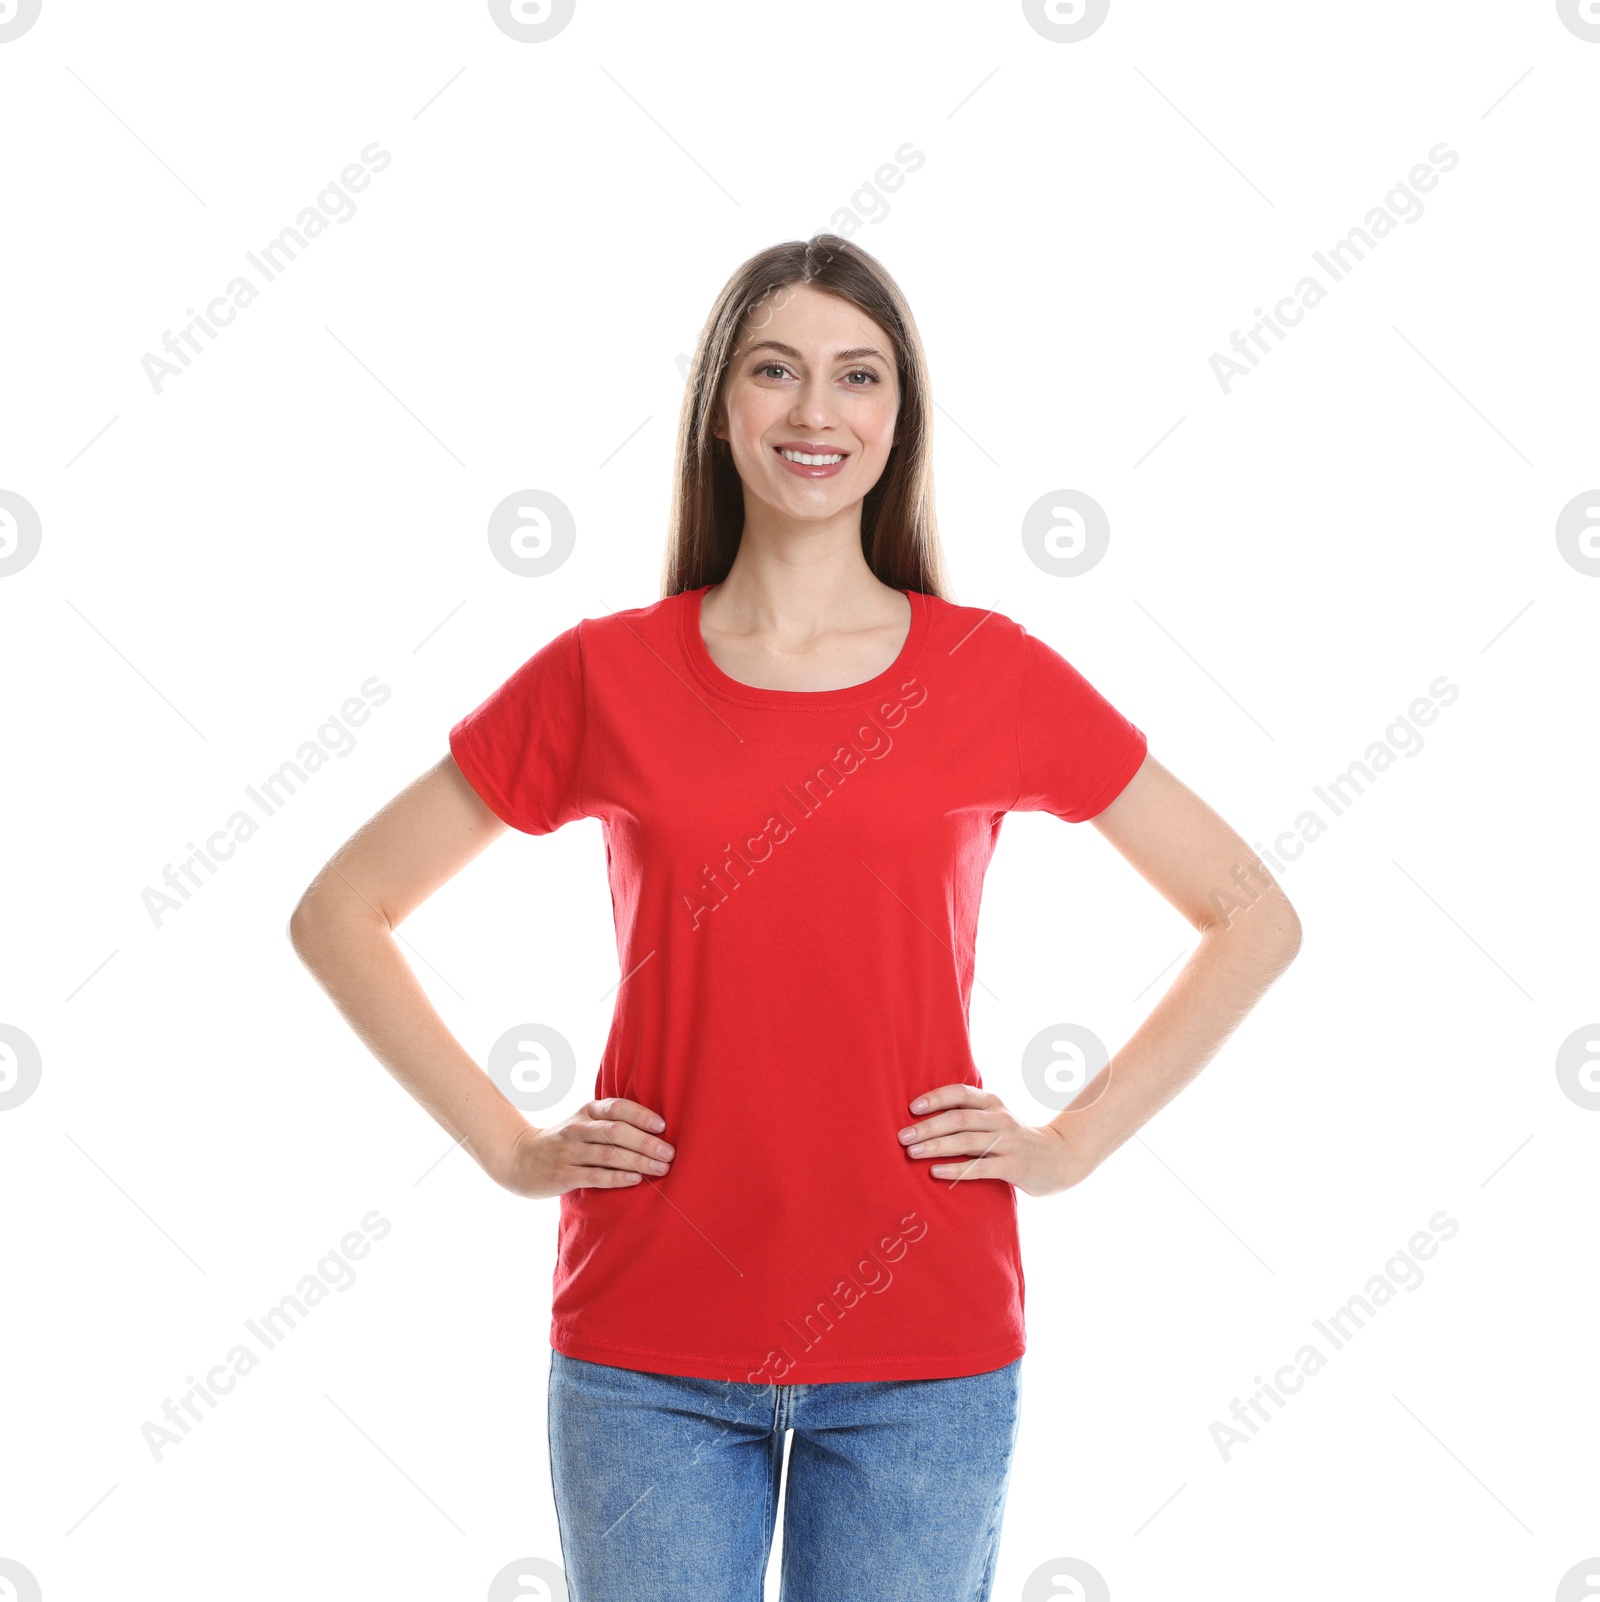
(1075, 751)
(522, 749)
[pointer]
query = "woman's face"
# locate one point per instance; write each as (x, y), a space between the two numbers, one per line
(810, 370)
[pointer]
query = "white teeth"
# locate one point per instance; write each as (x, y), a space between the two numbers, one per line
(811, 461)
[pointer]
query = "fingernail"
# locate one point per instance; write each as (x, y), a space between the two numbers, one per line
(906, 1134)
(658, 1124)
(920, 1103)
(664, 1150)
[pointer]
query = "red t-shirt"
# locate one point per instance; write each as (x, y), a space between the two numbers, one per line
(795, 878)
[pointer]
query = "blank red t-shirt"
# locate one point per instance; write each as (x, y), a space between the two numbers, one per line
(795, 878)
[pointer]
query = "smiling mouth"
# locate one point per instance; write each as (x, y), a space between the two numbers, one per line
(811, 464)
(810, 458)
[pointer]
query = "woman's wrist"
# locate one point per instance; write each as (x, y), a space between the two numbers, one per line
(501, 1155)
(1082, 1154)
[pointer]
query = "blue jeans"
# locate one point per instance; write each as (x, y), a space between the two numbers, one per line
(667, 1487)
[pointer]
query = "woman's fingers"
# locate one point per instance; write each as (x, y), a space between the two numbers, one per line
(631, 1112)
(606, 1144)
(954, 1095)
(948, 1123)
(598, 1163)
(973, 1168)
(587, 1178)
(965, 1143)
(611, 1143)
(624, 1137)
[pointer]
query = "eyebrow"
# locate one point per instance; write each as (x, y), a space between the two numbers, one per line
(838, 356)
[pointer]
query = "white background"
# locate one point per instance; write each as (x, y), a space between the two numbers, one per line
(223, 563)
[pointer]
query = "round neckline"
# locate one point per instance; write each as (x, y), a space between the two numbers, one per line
(704, 664)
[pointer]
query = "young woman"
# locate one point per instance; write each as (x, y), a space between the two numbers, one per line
(791, 1206)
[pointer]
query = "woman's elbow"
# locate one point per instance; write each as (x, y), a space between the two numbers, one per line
(1268, 927)
(1292, 935)
(309, 920)
(1281, 932)
(302, 923)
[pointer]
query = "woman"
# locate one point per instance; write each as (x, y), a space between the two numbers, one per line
(801, 756)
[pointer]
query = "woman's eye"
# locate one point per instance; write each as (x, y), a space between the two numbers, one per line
(767, 369)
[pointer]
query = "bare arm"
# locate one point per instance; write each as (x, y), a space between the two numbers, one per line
(343, 930)
(1249, 934)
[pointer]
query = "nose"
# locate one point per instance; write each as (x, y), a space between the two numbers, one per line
(813, 405)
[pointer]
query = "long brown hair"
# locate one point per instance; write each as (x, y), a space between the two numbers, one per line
(899, 536)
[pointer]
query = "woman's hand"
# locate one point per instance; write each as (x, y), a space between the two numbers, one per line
(605, 1144)
(974, 1125)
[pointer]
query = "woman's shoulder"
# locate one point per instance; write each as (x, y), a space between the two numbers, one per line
(628, 625)
(989, 632)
